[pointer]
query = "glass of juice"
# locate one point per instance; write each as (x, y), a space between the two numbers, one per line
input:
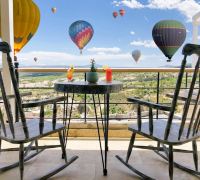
(70, 72)
(108, 74)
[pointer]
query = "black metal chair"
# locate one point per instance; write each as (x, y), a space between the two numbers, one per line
(28, 131)
(169, 133)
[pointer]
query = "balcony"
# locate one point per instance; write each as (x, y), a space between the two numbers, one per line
(151, 84)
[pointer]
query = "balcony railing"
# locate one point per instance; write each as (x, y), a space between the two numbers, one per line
(147, 83)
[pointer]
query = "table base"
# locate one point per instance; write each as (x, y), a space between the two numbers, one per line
(104, 122)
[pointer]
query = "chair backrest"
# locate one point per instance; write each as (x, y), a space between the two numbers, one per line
(189, 104)
(5, 48)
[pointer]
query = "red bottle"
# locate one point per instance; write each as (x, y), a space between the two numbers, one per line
(108, 75)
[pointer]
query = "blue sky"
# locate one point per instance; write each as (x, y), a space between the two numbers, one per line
(113, 39)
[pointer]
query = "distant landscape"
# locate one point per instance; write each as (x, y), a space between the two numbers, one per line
(141, 85)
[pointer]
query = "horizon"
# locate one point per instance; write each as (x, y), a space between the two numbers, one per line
(114, 38)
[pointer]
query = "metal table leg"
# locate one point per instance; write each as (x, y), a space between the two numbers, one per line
(69, 119)
(106, 131)
(106, 127)
(65, 118)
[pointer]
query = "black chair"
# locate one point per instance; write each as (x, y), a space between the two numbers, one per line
(169, 133)
(28, 131)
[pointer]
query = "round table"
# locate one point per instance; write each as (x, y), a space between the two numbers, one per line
(83, 87)
(102, 87)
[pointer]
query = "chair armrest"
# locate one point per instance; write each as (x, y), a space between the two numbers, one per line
(43, 102)
(149, 104)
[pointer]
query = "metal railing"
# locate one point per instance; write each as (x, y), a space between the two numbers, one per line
(158, 77)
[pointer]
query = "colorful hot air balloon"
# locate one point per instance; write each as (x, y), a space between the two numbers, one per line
(136, 54)
(122, 12)
(26, 22)
(169, 35)
(115, 14)
(53, 9)
(81, 33)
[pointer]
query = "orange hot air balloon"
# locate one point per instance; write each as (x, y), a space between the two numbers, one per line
(26, 21)
(115, 14)
(122, 12)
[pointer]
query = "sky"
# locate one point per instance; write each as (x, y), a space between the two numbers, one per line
(114, 38)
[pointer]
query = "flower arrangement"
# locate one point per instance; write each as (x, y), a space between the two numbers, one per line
(93, 68)
(92, 75)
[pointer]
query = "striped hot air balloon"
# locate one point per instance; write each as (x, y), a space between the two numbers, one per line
(81, 33)
(26, 22)
(169, 35)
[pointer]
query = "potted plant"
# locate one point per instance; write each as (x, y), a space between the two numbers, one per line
(92, 76)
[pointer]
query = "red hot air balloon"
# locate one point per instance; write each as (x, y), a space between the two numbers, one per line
(122, 12)
(115, 14)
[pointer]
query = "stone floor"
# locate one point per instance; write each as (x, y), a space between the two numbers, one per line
(89, 167)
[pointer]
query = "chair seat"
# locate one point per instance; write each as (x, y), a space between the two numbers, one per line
(159, 131)
(34, 130)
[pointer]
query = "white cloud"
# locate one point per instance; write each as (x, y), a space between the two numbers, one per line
(46, 58)
(133, 4)
(55, 59)
(186, 7)
(113, 50)
(132, 33)
(129, 3)
(160, 4)
(144, 43)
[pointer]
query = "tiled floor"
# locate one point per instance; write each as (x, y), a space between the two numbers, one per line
(88, 166)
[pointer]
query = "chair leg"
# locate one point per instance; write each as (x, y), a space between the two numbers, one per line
(195, 154)
(64, 155)
(158, 145)
(0, 145)
(171, 162)
(130, 147)
(21, 161)
(36, 145)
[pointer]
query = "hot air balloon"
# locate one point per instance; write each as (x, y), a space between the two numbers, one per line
(26, 22)
(115, 14)
(35, 59)
(54, 9)
(81, 33)
(169, 35)
(136, 55)
(122, 12)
